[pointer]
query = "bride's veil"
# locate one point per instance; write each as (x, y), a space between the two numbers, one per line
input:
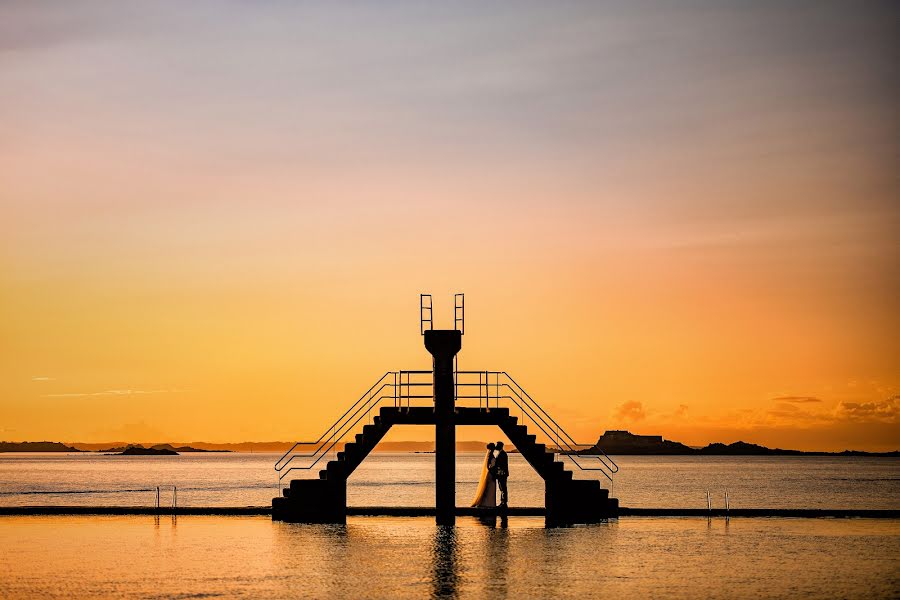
(482, 483)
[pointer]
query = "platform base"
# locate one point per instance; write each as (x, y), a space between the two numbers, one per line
(312, 501)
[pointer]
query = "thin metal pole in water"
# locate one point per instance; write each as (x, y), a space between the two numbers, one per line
(726, 503)
(708, 503)
(157, 497)
(174, 497)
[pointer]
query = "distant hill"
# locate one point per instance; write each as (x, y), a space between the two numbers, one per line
(36, 447)
(400, 446)
(612, 442)
(166, 447)
(626, 443)
(141, 451)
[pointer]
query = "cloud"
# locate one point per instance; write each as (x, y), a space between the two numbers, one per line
(785, 412)
(884, 411)
(42, 378)
(110, 393)
(797, 399)
(631, 411)
(681, 410)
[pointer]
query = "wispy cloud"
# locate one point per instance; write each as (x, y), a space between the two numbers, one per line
(631, 411)
(42, 378)
(796, 399)
(110, 393)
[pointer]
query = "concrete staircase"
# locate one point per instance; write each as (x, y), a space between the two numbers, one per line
(324, 500)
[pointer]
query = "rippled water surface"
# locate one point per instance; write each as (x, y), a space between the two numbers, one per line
(194, 556)
(408, 480)
(252, 557)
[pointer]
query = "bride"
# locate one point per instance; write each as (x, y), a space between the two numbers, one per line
(486, 496)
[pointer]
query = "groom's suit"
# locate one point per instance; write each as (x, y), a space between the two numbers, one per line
(501, 472)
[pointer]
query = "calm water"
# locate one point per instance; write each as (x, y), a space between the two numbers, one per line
(408, 480)
(195, 556)
(187, 557)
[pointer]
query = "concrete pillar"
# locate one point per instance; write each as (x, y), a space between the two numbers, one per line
(443, 346)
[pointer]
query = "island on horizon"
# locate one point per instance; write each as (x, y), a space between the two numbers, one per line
(620, 442)
(118, 448)
(613, 442)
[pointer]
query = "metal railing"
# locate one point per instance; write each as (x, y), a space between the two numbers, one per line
(403, 388)
(496, 386)
(394, 386)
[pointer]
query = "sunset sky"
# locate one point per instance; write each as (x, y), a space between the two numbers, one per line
(674, 218)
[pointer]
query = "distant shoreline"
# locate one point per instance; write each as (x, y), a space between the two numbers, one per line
(625, 443)
(657, 447)
(105, 449)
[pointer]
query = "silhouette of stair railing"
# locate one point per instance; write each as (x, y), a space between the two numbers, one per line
(402, 388)
(397, 387)
(496, 386)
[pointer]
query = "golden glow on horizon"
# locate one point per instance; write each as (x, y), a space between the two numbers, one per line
(204, 243)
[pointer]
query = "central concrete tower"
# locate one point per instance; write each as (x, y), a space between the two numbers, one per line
(444, 344)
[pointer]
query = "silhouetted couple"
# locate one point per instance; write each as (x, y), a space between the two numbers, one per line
(494, 473)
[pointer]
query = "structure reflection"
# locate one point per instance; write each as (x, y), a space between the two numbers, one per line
(444, 562)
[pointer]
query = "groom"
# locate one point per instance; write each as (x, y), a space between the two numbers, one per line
(500, 471)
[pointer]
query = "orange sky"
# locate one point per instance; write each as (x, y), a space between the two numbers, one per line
(216, 221)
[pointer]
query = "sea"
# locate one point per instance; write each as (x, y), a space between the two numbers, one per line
(409, 557)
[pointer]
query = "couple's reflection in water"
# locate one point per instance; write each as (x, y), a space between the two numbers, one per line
(445, 558)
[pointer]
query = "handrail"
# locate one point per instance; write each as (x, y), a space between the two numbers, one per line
(319, 455)
(277, 468)
(612, 466)
(399, 384)
(335, 437)
(352, 416)
(562, 436)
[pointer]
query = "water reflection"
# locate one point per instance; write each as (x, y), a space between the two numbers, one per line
(498, 560)
(444, 562)
(411, 558)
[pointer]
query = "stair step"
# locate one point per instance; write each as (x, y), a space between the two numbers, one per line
(286, 492)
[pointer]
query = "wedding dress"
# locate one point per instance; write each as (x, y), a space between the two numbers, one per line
(486, 496)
